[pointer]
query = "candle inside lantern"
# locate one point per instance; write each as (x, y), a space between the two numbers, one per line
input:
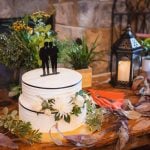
(124, 70)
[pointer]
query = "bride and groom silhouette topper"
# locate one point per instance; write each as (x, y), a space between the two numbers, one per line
(49, 51)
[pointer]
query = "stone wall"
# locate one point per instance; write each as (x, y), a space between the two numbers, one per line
(90, 18)
(74, 18)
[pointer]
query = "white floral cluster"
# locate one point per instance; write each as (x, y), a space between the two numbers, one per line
(62, 107)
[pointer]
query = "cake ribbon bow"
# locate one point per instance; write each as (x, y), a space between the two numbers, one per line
(107, 99)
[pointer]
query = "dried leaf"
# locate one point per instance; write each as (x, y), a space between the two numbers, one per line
(119, 113)
(77, 140)
(82, 140)
(143, 99)
(127, 105)
(146, 88)
(107, 130)
(5, 141)
(131, 107)
(131, 114)
(146, 114)
(137, 82)
(144, 107)
(123, 135)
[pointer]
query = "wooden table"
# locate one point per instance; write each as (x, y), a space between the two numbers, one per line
(139, 129)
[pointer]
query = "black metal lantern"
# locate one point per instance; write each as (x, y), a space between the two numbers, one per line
(125, 60)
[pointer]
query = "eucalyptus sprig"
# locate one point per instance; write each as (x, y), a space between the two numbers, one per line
(94, 117)
(19, 128)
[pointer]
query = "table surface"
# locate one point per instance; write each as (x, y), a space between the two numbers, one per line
(139, 129)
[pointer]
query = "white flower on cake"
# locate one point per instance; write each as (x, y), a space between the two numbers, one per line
(36, 106)
(63, 107)
(79, 101)
(47, 112)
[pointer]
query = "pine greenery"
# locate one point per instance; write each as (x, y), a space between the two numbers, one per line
(19, 128)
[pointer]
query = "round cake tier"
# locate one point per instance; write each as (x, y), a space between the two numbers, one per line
(65, 78)
(67, 82)
(44, 123)
(62, 87)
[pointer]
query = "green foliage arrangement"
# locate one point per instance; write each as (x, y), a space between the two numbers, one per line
(20, 48)
(64, 46)
(146, 45)
(19, 128)
(14, 52)
(79, 56)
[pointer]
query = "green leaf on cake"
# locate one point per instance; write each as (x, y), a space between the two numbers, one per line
(80, 93)
(67, 118)
(76, 110)
(57, 116)
(44, 104)
(51, 101)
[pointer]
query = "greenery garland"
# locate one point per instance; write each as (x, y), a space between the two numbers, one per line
(48, 107)
(10, 121)
(94, 116)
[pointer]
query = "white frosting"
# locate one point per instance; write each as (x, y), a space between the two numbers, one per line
(66, 77)
(65, 84)
(45, 122)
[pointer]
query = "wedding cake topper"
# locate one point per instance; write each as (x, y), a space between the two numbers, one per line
(49, 50)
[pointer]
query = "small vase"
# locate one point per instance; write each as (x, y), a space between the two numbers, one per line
(146, 64)
(86, 77)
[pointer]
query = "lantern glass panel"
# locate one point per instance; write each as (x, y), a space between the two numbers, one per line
(136, 64)
(124, 65)
(114, 62)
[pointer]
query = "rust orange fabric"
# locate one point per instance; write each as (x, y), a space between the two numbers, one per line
(107, 99)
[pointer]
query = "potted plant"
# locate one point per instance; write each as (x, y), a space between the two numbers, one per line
(79, 55)
(19, 50)
(34, 31)
(146, 55)
(14, 54)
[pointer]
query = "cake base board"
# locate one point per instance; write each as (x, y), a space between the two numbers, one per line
(81, 130)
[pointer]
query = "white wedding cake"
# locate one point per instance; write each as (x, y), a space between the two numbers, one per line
(52, 99)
